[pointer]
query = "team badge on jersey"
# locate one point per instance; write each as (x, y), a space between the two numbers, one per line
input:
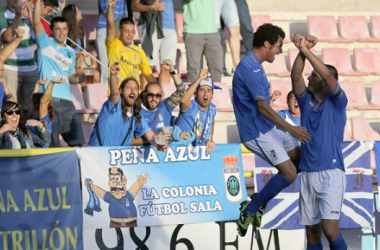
(273, 154)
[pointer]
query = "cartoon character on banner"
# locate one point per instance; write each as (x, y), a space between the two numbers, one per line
(121, 208)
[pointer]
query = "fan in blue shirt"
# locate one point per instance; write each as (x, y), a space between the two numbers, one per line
(198, 115)
(120, 118)
(323, 108)
(155, 111)
(292, 115)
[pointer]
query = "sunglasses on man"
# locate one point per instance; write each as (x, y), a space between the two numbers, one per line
(151, 95)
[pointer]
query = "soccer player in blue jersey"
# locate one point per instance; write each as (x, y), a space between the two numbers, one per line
(257, 122)
(323, 113)
(155, 111)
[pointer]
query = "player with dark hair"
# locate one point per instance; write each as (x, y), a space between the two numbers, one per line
(257, 122)
(323, 181)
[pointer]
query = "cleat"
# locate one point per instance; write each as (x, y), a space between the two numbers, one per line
(259, 214)
(244, 219)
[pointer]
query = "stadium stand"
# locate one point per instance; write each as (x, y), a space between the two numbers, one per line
(179, 26)
(89, 23)
(78, 101)
(356, 28)
(181, 67)
(341, 59)
(284, 87)
(277, 68)
(96, 96)
(375, 26)
(324, 27)
(347, 133)
(292, 54)
(375, 94)
(356, 94)
(222, 98)
(258, 20)
(248, 166)
(367, 60)
(362, 130)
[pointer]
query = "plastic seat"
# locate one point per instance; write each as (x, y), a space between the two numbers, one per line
(356, 28)
(340, 58)
(375, 26)
(248, 162)
(292, 55)
(181, 68)
(367, 60)
(356, 95)
(324, 27)
(284, 87)
(375, 96)
(258, 20)
(347, 134)
(277, 67)
(89, 23)
(222, 98)
(168, 89)
(77, 98)
(96, 96)
(362, 130)
(179, 26)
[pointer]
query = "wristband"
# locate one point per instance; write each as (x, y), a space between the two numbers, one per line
(174, 72)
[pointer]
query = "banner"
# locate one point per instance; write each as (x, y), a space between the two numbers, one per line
(357, 208)
(40, 203)
(139, 186)
(198, 236)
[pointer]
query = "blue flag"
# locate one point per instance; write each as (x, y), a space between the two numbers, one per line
(40, 203)
(357, 208)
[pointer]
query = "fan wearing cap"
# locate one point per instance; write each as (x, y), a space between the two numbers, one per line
(198, 115)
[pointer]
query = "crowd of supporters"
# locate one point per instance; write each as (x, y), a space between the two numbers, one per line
(44, 50)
